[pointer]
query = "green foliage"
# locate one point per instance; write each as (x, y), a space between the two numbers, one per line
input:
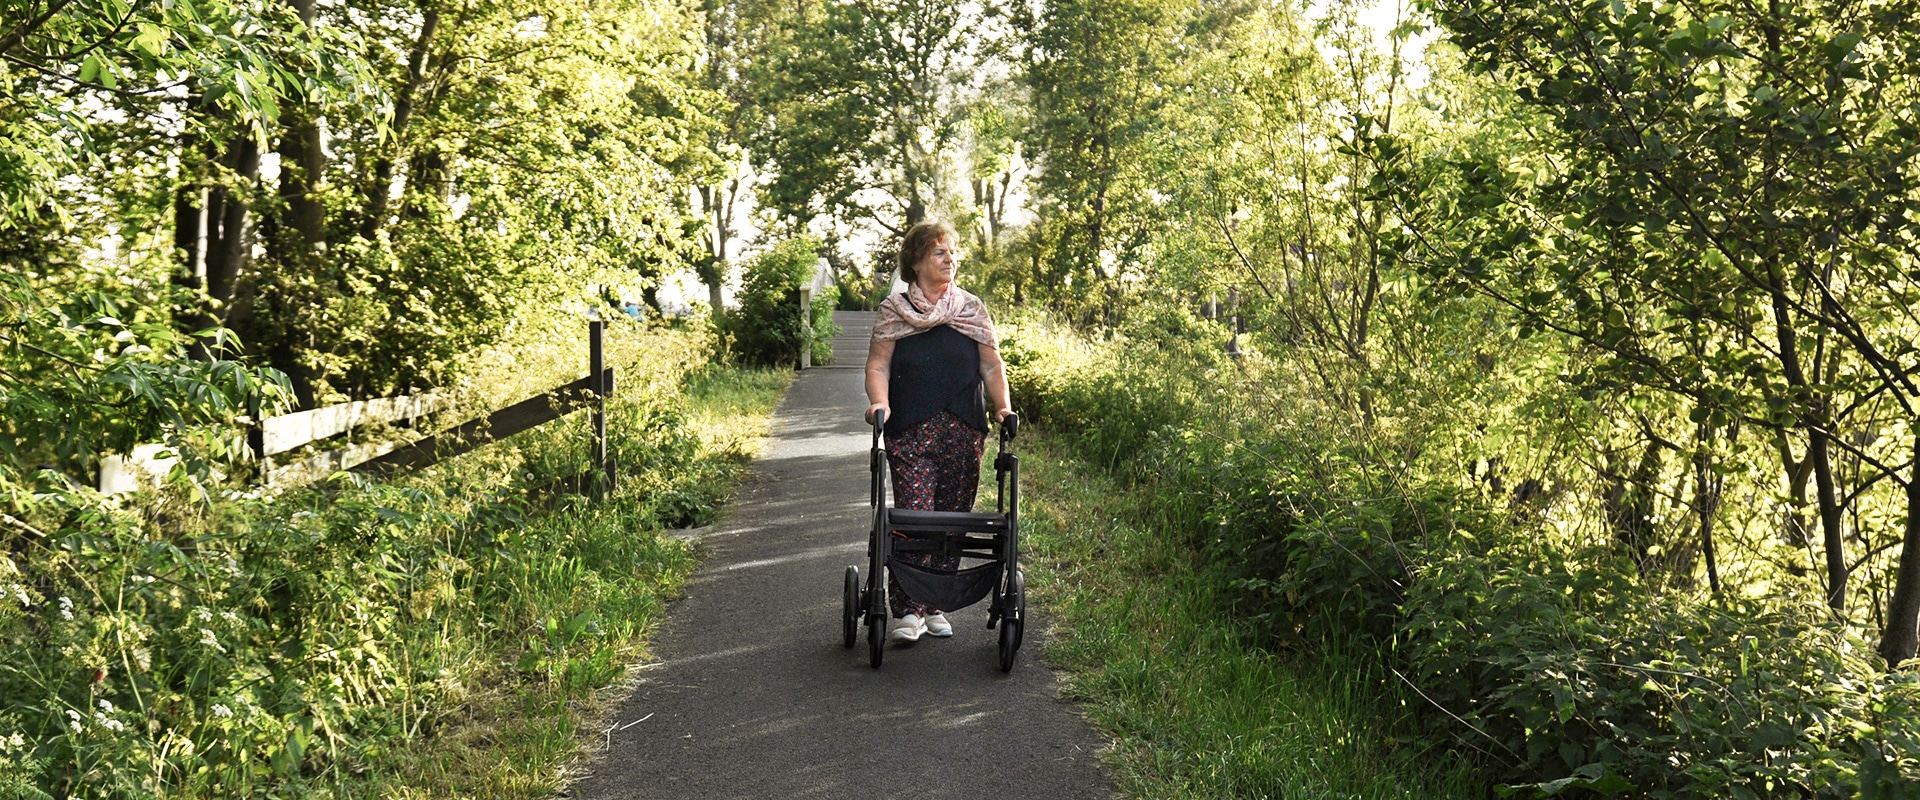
(1132, 603)
(325, 642)
(860, 97)
(1554, 662)
(478, 158)
(88, 374)
(1721, 225)
(1569, 675)
(766, 330)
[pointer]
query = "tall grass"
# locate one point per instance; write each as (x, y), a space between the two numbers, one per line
(1144, 629)
(449, 633)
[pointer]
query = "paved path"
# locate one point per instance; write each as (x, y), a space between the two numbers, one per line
(753, 696)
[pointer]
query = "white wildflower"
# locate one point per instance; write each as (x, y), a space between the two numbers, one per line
(74, 714)
(222, 711)
(20, 592)
(230, 617)
(209, 640)
(66, 607)
(202, 615)
(106, 706)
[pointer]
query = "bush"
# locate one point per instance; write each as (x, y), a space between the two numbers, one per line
(230, 646)
(1558, 664)
(766, 329)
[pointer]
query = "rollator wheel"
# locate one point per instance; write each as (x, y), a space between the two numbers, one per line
(850, 609)
(1012, 625)
(1020, 607)
(877, 622)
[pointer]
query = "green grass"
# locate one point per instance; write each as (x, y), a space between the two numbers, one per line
(1193, 710)
(730, 406)
(586, 611)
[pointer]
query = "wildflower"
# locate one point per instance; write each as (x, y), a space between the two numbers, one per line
(222, 711)
(66, 607)
(209, 640)
(106, 706)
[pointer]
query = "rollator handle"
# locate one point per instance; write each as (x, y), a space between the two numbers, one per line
(1009, 427)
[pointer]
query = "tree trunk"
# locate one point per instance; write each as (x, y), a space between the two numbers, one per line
(1832, 518)
(1898, 641)
(379, 189)
(229, 243)
(1706, 500)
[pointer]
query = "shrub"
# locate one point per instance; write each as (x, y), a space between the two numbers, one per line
(1557, 663)
(207, 645)
(766, 329)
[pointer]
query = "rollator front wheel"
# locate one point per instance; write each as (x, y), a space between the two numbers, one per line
(850, 609)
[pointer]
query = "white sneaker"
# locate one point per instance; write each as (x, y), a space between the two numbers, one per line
(908, 628)
(938, 626)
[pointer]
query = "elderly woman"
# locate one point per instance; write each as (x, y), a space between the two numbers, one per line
(932, 353)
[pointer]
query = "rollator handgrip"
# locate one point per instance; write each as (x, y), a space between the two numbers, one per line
(1009, 427)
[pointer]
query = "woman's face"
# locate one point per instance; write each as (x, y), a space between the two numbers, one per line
(940, 263)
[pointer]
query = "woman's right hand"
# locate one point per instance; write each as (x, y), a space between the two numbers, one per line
(877, 407)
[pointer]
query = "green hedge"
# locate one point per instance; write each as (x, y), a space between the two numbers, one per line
(1553, 664)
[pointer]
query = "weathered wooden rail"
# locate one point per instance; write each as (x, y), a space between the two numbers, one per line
(274, 437)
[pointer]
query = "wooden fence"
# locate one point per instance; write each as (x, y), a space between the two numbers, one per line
(272, 438)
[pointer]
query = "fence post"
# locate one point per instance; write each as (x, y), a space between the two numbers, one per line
(597, 366)
(257, 442)
(806, 327)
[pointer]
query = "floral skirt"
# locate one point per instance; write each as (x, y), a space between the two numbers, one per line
(936, 467)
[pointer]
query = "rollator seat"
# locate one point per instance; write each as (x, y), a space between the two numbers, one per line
(904, 520)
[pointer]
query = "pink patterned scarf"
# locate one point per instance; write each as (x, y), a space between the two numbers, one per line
(901, 316)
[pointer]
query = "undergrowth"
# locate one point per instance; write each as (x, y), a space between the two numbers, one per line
(1151, 645)
(1257, 543)
(444, 634)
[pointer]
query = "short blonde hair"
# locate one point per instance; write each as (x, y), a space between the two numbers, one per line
(919, 241)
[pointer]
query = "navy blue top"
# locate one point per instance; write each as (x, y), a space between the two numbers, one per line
(935, 370)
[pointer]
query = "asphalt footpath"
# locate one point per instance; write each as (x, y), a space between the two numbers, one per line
(751, 694)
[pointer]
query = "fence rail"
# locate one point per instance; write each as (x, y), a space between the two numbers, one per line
(289, 432)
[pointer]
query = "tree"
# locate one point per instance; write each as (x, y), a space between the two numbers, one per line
(861, 107)
(1725, 217)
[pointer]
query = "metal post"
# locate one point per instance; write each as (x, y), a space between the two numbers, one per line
(597, 367)
(806, 327)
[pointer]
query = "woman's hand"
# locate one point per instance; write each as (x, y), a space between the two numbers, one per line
(1000, 417)
(879, 407)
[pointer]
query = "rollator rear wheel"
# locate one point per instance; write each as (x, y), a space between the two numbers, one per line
(1014, 621)
(877, 622)
(1020, 607)
(850, 609)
